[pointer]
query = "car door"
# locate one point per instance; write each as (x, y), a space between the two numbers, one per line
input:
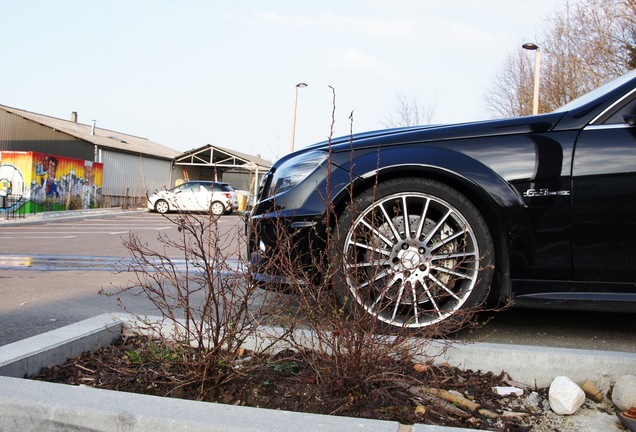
(604, 201)
(185, 199)
(201, 197)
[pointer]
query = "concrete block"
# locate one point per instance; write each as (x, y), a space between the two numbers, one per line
(28, 356)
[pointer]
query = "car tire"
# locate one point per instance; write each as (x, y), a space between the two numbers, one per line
(217, 208)
(162, 207)
(414, 253)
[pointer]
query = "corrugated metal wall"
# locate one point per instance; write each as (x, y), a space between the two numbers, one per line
(127, 175)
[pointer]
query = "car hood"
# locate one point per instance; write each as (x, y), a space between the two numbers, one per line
(418, 134)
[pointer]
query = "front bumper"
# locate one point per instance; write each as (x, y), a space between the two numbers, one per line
(285, 251)
(287, 231)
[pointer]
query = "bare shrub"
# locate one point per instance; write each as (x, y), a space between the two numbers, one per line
(201, 293)
(353, 354)
(351, 351)
(74, 202)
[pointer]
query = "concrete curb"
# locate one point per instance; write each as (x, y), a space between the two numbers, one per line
(33, 405)
(45, 217)
(538, 366)
(28, 356)
(28, 405)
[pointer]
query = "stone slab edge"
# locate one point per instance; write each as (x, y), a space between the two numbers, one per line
(538, 366)
(34, 406)
(28, 356)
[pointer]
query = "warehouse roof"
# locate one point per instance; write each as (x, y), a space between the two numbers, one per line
(99, 136)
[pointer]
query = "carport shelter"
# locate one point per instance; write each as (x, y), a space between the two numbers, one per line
(210, 162)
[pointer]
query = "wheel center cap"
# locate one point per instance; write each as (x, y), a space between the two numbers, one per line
(410, 259)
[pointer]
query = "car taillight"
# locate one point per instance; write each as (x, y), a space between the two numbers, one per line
(228, 196)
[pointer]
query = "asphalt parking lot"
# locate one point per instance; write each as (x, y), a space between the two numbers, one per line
(51, 272)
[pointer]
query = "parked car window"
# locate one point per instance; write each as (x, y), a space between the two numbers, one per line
(628, 108)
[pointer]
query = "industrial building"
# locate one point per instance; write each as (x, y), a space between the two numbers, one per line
(131, 166)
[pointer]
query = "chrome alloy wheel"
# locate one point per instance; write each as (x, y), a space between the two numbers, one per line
(411, 259)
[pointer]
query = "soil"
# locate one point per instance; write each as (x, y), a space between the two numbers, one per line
(286, 381)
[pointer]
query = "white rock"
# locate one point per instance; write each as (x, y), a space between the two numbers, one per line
(565, 396)
(508, 390)
(624, 392)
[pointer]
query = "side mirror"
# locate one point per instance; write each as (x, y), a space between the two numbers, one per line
(630, 119)
(246, 220)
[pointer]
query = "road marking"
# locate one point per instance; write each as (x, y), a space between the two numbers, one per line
(39, 237)
(104, 231)
(39, 262)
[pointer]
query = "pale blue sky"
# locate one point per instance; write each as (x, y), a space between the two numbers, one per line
(193, 72)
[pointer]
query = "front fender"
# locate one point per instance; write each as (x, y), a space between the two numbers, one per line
(498, 201)
(464, 172)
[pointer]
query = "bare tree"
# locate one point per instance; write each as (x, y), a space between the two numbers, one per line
(586, 44)
(408, 112)
(511, 93)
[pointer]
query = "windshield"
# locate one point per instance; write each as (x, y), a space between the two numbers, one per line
(590, 96)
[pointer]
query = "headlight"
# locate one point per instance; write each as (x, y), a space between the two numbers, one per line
(295, 170)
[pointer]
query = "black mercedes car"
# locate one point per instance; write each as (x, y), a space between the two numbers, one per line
(429, 221)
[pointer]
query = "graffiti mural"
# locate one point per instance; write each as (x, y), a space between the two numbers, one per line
(33, 182)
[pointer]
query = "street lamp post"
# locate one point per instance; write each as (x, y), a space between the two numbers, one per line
(537, 72)
(293, 132)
